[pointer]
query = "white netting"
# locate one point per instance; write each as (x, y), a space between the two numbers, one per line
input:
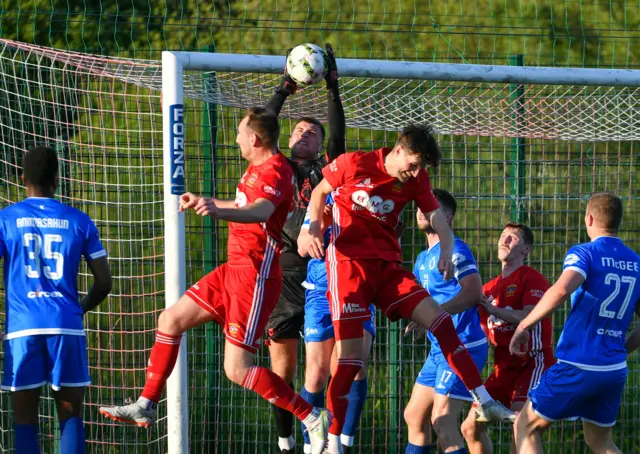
(565, 112)
(104, 117)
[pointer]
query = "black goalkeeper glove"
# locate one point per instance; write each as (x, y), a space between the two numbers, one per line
(288, 86)
(332, 69)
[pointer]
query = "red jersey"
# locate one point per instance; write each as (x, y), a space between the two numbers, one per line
(524, 287)
(260, 244)
(367, 205)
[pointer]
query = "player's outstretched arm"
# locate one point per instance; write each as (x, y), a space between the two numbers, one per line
(469, 295)
(513, 317)
(336, 144)
(633, 341)
(252, 213)
(445, 234)
(287, 87)
(101, 284)
(317, 204)
(566, 284)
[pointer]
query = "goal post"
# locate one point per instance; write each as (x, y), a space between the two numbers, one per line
(132, 135)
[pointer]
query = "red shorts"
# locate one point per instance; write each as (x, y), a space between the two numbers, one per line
(240, 301)
(511, 383)
(355, 284)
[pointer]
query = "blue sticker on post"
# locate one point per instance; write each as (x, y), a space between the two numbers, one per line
(176, 115)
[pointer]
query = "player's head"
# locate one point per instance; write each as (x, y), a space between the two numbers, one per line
(259, 129)
(40, 169)
(604, 214)
(515, 242)
(448, 205)
(306, 139)
(415, 149)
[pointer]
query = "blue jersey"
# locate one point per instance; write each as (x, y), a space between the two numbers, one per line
(467, 323)
(41, 242)
(593, 337)
(316, 268)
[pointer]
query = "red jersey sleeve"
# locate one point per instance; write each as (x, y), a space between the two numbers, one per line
(273, 186)
(425, 199)
(337, 172)
(535, 288)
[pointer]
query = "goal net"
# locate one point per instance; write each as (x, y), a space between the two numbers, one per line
(524, 144)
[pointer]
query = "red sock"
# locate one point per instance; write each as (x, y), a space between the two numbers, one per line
(161, 362)
(338, 393)
(276, 391)
(456, 353)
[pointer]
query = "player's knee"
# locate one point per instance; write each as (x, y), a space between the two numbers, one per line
(167, 322)
(469, 429)
(316, 377)
(235, 372)
(415, 418)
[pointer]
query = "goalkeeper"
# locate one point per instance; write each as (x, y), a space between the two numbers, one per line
(307, 160)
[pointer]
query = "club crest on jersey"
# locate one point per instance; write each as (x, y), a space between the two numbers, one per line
(432, 263)
(511, 290)
(397, 186)
(375, 204)
(366, 183)
(251, 180)
(233, 329)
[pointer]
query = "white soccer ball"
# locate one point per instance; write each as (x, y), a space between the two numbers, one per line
(307, 64)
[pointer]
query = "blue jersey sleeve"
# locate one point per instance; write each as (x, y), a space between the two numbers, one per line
(92, 247)
(464, 263)
(2, 235)
(577, 259)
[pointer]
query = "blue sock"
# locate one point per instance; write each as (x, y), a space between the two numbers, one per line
(357, 396)
(315, 399)
(414, 449)
(72, 438)
(26, 436)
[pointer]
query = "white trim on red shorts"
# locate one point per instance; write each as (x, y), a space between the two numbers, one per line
(258, 291)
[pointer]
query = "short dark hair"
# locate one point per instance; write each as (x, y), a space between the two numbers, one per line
(606, 208)
(446, 200)
(524, 230)
(264, 122)
(40, 167)
(418, 138)
(314, 121)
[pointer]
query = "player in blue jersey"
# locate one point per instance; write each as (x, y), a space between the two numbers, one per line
(586, 383)
(439, 395)
(42, 242)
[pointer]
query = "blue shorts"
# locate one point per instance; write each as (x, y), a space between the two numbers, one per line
(567, 392)
(57, 359)
(317, 317)
(437, 374)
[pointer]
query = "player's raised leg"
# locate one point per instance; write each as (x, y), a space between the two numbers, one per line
(431, 316)
(174, 321)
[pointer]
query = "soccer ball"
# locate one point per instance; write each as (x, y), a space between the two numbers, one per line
(307, 64)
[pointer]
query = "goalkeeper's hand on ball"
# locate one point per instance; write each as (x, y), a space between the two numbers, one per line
(288, 85)
(332, 68)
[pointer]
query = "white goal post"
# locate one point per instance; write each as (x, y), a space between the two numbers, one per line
(174, 64)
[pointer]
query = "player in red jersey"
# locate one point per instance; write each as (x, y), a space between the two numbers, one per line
(240, 294)
(508, 299)
(364, 260)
